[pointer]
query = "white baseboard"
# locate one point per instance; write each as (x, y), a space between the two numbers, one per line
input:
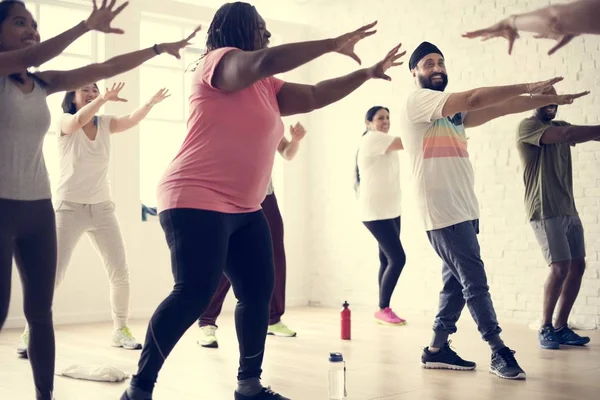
(18, 322)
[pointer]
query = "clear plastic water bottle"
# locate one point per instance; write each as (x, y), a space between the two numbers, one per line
(337, 377)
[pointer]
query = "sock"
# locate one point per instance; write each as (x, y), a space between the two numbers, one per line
(249, 387)
(439, 339)
(496, 343)
(135, 393)
(559, 329)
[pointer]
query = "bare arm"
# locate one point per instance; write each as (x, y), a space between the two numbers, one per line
(570, 134)
(517, 105)
(16, 61)
(126, 122)
(240, 69)
(71, 123)
(33, 56)
(486, 97)
(59, 81)
(299, 99)
(573, 18)
(288, 148)
(561, 22)
(295, 98)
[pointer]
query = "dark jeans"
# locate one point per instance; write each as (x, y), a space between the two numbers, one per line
(391, 256)
(465, 281)
(203, 245)
(28, 232)
(273, 215)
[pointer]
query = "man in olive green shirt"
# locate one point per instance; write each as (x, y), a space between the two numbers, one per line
(545, 149)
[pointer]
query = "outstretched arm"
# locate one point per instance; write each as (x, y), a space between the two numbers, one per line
(71, 123)
(517, 105)
(16, 61)
(126, 122)
(240, 69)
(59, 81)
(561, 22)
(299, 99)
(485, 97)
(571, 134)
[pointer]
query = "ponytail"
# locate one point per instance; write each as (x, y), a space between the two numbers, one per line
(356, 172)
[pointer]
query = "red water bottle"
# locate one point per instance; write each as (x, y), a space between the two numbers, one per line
(346, 325)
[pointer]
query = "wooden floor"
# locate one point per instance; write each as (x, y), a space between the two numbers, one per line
(383, 363)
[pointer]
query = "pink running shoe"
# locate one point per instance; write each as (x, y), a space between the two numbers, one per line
(388, 317)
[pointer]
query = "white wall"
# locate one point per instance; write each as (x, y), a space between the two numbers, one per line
(343, 255)
(83, 296)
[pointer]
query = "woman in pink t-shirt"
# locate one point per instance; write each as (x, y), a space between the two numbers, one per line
(209, 198)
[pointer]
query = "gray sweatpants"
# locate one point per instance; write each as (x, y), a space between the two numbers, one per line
(100, 223)
(465, 281)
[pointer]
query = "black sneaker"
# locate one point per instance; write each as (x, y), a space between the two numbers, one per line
(547, 337)
(445, 358)
(126, 396)
(567, 337)
(264, 394)
(505, 365)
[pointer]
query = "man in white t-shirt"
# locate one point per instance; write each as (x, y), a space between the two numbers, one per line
(436, 143)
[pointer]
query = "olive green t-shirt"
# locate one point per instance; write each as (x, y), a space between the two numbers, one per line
(548, 172)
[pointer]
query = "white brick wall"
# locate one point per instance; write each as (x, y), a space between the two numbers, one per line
(343, 256)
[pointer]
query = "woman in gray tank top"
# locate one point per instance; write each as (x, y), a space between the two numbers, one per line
(27, 222)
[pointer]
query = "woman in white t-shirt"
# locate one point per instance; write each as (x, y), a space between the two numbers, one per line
(83, 201)
(378, 188)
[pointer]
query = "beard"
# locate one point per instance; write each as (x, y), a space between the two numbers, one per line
(548, 113)
(427, 83)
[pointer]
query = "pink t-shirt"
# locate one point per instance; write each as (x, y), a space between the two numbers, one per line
(226, 160)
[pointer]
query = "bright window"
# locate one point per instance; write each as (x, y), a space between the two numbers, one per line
(162, 133)
(53, 19)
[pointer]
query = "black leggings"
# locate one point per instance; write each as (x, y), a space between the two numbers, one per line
(28, 232)
(204, 245)
(391, 256)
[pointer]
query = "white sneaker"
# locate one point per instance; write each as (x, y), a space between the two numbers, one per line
(23, 344)
(208, 337)
(123, 338)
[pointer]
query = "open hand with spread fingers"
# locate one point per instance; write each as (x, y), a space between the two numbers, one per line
(174, 48)
(345, 44)
(378, 70)
(112, 94)
(504, 29)
(158, 97)
(101, 17)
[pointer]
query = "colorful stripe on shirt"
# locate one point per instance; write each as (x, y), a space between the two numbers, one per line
(445, 140)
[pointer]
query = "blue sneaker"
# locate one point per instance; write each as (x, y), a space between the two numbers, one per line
(566, 336)
(548, 339)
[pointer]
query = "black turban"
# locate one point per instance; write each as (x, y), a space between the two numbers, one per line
(420, 52)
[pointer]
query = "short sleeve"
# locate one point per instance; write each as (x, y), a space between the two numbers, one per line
(276, 83)
(425, 105)
(210, 63)
(104, 122)
(376, 143)
(531, 131)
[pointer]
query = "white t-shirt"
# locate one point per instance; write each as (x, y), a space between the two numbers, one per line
(84, 165)
(379, 194)
(443, 174)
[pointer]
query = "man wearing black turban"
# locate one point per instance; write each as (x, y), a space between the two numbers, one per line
(437, 146)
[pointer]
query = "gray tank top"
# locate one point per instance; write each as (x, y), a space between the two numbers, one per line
(24, 121)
